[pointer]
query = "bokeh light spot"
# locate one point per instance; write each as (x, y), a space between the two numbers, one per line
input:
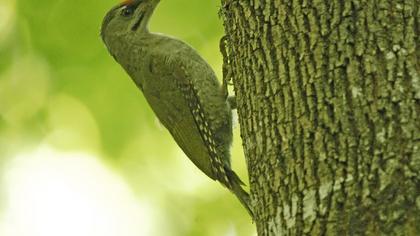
(67, 194)
(7, 16)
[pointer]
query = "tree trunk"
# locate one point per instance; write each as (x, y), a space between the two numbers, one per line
(328, 96)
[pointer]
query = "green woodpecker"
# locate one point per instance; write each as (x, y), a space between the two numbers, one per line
(180, 87)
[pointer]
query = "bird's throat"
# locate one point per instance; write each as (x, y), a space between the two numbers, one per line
(138, 22)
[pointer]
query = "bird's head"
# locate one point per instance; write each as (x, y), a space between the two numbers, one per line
(127, 18)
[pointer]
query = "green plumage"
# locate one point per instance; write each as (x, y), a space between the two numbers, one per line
(180, 87)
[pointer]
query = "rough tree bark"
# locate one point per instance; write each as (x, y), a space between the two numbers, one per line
(328, 96)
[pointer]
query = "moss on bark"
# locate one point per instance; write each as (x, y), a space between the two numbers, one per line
(328, 96)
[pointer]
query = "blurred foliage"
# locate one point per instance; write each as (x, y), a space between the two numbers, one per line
(58, 85)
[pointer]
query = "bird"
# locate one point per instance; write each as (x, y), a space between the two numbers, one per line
(180, 87)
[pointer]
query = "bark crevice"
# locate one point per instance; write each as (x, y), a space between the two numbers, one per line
(328, 97)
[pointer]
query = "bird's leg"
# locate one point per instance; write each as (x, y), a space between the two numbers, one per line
(227, 73)
(232, 102)
(226, 70)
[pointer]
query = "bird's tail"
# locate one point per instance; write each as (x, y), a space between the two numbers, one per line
(236, 187)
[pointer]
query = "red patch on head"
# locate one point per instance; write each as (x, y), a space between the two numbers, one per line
(127, 2)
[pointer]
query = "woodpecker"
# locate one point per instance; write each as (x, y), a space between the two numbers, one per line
(180, 87)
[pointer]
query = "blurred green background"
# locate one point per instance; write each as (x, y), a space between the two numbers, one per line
(80, 151)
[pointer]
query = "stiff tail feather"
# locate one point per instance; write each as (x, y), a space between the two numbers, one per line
(236, 187)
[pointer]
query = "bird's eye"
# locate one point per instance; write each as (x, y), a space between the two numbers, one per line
(127, 11)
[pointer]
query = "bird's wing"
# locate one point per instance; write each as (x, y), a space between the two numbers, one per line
(184, 77)
(175, 114)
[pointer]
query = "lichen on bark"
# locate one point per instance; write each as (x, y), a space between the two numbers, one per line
(328, 97)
